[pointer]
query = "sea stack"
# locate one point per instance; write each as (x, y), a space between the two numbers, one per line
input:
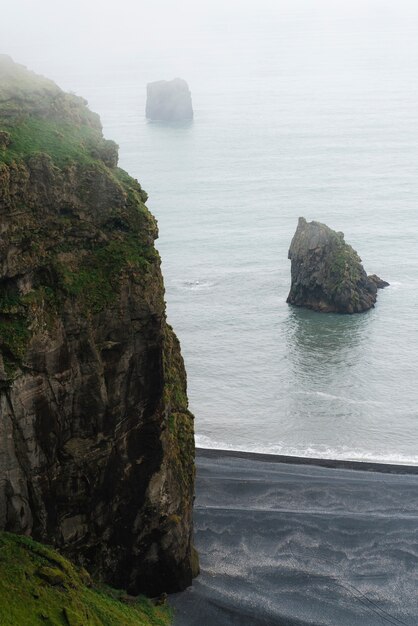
(96, 439)
(327, 274)
(169, 101)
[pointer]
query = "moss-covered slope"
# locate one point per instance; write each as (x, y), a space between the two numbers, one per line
(96, 440)
(39, 586)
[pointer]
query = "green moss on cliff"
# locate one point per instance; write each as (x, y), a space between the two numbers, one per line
(49, 135)
(95, 278)
(344, 263)
(180, 419)
(63, 142)
(20, 317)
(14, 335)
(36, 117)
(39, 586)
(79, 266)
(180, 427)
(135, 192)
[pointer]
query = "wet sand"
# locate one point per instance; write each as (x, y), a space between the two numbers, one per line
(306, 542)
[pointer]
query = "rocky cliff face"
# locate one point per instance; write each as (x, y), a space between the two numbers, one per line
(169, 100)
(327, 274)
(96, 440)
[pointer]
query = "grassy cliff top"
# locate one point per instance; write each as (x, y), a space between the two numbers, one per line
(39, 586)
(36, 116)
(18, 81)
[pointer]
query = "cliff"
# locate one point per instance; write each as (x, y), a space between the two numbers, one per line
(96, 439)
(169, 101)
(327, 274)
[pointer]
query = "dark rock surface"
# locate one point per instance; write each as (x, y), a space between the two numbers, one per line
(169, 100)
(301, 545)
(96, 440)
(327, 274)
(380, 284)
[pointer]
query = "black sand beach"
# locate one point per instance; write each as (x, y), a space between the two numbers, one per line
(309, 542)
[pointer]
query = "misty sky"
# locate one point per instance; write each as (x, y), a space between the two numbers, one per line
(37, 32)
(326, 49)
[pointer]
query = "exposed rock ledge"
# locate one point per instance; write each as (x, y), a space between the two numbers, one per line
(96, 440)
(327, 274)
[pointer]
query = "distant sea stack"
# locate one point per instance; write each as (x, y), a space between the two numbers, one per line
(169, 101)
(327, 274)
(96, 439)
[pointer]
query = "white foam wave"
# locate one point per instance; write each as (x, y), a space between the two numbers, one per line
(341, 453)
(330, 396)
(193, 285)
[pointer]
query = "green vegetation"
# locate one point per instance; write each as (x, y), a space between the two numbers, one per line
(36, 117)
(94, 279)
(180, 420)
(39, 586)
(14, 334)
(88, 272)
(64, 142)
(78, 238)
(345, 265)
(17, 314)
(19, 85)
(132, 186)
(180, 426)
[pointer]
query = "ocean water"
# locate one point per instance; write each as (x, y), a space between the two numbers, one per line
(305, 108)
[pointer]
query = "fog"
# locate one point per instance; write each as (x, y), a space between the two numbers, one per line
(55, 36)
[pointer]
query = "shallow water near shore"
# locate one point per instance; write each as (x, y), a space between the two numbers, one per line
(310, 113)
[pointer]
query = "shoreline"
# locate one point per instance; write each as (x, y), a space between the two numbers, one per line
(294, 541)
(365, 466)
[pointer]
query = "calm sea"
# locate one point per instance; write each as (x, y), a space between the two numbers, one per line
(302, 111)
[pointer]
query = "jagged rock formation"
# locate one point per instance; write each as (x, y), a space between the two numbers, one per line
(96, 440)
(327, 274)
(169, 101)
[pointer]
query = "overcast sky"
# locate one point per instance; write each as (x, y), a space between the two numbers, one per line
(94, 28)
(183, 37)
